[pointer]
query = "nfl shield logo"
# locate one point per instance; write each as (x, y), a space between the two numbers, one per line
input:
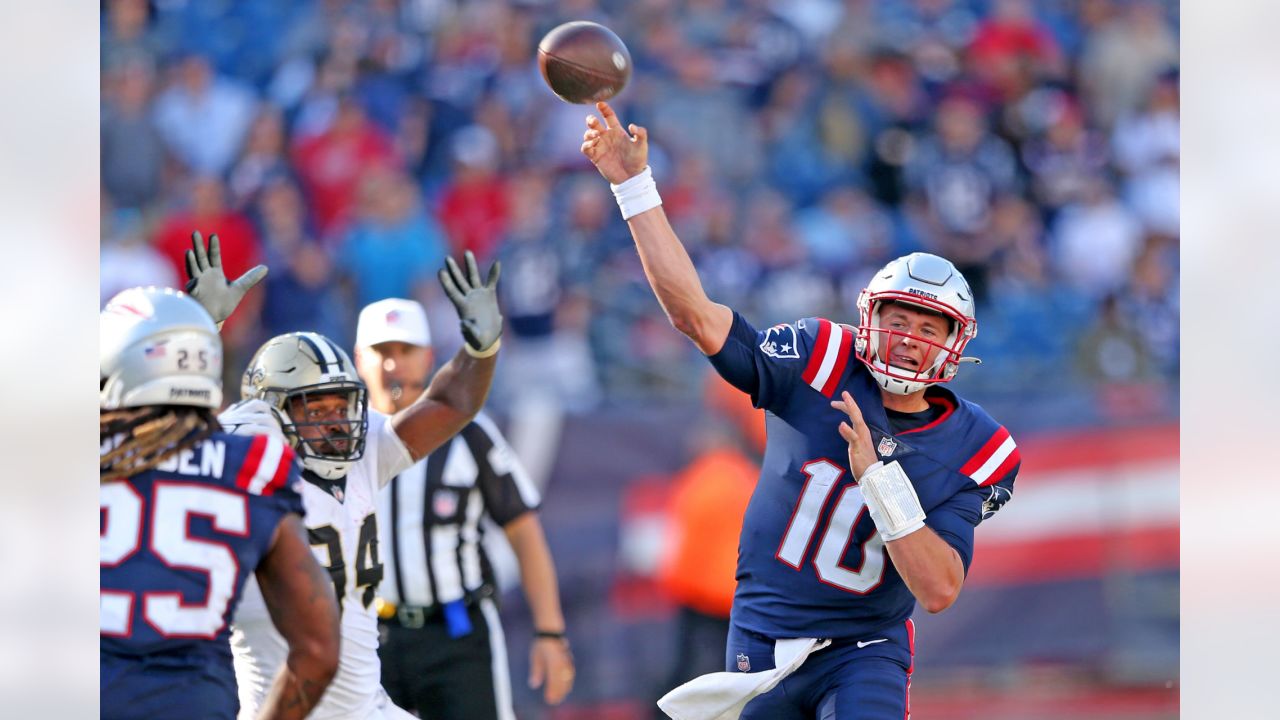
(744, 663)
(887, 446)
(444, 503)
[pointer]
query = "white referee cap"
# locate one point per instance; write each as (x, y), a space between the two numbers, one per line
(393, 320)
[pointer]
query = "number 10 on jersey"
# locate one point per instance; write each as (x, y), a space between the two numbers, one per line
(821, 478)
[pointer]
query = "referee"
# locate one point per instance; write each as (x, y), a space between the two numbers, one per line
(442, 648)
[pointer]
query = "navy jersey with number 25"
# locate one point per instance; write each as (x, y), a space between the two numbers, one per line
(177, 543)
(811, 563)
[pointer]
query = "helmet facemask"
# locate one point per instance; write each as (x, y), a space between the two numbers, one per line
(924, 283)
(297, 372)
(872, 337)
(334, 443)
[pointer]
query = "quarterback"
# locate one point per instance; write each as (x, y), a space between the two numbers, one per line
(874, 475)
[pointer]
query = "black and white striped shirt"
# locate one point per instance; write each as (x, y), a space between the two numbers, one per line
(430, 531)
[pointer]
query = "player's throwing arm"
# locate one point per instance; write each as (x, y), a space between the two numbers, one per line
(622, 157)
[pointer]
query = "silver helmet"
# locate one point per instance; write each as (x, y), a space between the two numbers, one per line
(931, 284)
(289, 372)
(157, 346)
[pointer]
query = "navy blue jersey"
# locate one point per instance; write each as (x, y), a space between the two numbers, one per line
(177, 543)
(810, 562)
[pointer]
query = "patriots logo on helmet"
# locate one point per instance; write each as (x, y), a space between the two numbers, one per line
(744, 663)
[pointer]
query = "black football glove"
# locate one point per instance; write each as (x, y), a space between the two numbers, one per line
(207, 282)
(476, 302)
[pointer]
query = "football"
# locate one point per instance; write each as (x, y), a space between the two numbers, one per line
(584, 62)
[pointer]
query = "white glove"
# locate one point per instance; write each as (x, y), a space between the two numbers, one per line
(253, 417)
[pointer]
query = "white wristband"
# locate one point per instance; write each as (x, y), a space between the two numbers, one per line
(892, 500)
(636, 194)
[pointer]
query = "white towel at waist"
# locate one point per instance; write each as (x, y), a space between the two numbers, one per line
(723, 695)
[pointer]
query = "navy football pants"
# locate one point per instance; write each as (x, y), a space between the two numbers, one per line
(840, 682)
(163, 687)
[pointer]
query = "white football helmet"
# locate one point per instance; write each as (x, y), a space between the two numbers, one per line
(157, 346)
(302, 366)
(929, 283)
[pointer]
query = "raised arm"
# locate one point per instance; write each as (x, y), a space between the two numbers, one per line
(622, 157)
(299, 596)
(458, 390)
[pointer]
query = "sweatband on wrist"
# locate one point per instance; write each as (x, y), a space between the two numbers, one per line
(894, 505)
(636, 194)
(488, 352)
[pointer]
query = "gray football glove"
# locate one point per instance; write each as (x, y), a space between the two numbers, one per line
(207, 282)
(476, 302)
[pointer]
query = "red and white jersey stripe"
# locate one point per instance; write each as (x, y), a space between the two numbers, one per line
(829, 357)
(266, 466)
(993, 462)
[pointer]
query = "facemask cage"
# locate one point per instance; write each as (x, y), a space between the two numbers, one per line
(356, 422)
(871, 337)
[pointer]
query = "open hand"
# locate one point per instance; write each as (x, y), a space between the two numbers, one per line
(862, 454)
(207, 281)
(551, 664)
(617, 154)
(475, 301)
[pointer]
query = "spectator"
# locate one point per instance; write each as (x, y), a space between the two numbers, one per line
(1064, 158)
(1147, 150)
(955, 176)
(203, 117)
(207, 211)
(130, 34)
(1011, 49)
(299, 288)
(263, 159)
(1096, 241)
(132, 153)
(393, 248)
(331, 163)
(126, 260)
(473, 207)
(1122, 58)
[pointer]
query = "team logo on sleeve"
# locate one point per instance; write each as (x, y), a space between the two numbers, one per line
(995, 500)
(780, 342)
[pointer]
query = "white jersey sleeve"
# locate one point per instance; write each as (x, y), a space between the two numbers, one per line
(388, 450)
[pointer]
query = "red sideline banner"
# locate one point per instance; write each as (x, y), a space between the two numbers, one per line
(1085, 504)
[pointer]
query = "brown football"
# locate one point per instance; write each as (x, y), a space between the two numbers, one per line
(584, 62)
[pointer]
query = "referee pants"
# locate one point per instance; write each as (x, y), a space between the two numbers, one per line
(444, 678)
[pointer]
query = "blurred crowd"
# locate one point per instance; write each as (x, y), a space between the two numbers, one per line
(798, 145)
